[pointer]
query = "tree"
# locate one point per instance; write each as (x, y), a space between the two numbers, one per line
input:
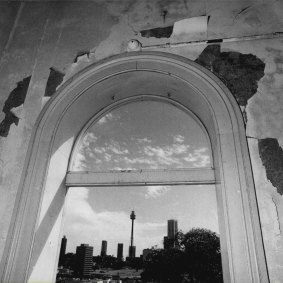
(202, 255)
(196, 257)
(164, 266)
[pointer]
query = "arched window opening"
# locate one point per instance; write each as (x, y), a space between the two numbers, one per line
(150, 156)
(33, 242)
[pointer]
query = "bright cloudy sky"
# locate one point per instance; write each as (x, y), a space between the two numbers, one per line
(143, 135)
(140, 135)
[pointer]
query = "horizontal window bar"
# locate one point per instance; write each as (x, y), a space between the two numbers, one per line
(140, 178)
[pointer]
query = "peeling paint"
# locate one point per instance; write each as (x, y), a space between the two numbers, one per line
(81, 54)
(158, 32)
(271, 155)
(183, 28)
(16, 98)
(54, 80)
(17, 111)
(239, 72)
(191, 26)
(277, 216)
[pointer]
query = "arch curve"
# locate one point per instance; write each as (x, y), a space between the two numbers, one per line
(34, 236)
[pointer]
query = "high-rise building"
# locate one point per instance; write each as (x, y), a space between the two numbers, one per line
(103, 248)
(132, 251)
(120, 251)
(62, 250)
(84, 255)
(172, 228)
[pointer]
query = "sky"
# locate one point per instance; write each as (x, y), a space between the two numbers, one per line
(143, 135)
(140, 135)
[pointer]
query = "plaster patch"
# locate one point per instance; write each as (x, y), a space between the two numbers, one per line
(191, 26)
(17, 111)
(239, 72)
(187, 29)
(266, 108)
(16, 98)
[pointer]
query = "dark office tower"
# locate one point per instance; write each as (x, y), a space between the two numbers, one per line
(62, 250)
(172, 228)
(120, 251)
(103, 248)
(132, 248)
(132, 251)
(84, 260)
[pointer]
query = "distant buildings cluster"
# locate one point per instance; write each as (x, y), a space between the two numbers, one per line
(84, 256)
(82, 262)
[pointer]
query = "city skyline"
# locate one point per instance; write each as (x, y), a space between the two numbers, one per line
(193, 206)
(172, 230)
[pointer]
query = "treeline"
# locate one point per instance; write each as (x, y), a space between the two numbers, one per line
(195, 258)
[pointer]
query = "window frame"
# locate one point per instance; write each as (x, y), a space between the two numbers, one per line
(34, 234)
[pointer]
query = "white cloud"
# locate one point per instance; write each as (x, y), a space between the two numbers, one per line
(200, 150)
(99, 150)
(199, 157)
(165, 156)
(106, 118)
(88, 139)
(179, 138)
(116, 148)
(203, 161)
(156, 191)
(141, 140)
(138, 153)
(107, 156)
(78, 162)
(139, 160)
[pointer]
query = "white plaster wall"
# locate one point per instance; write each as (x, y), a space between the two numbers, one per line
(55, 37)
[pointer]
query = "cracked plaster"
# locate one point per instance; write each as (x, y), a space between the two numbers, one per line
(265, 120)
(271, 210)
(264, 109)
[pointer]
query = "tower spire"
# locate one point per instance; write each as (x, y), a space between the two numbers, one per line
(132, 248)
